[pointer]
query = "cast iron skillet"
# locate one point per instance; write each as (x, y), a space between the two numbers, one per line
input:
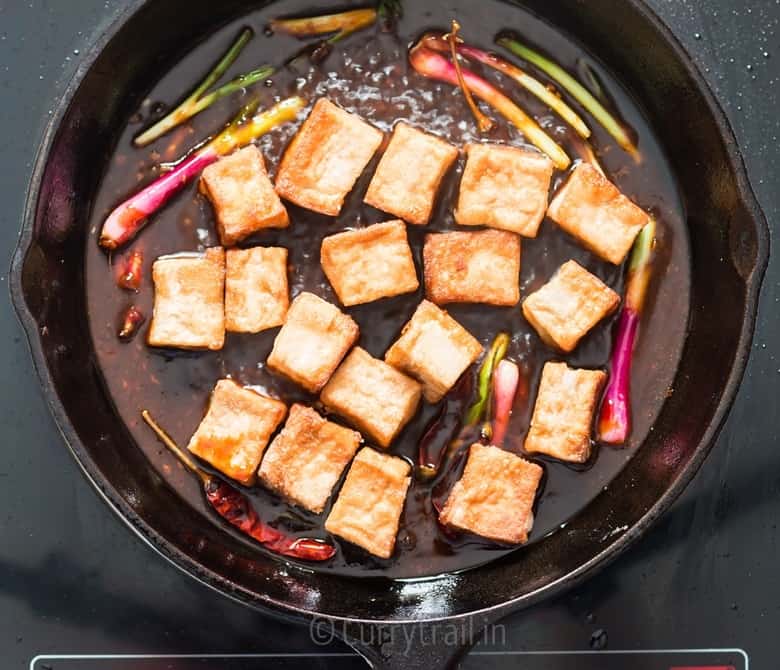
(730, 247)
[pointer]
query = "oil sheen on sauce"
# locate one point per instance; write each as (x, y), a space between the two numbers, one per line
(368, 74)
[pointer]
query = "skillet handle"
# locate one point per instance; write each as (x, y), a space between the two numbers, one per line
(425, 645)
(747, 239)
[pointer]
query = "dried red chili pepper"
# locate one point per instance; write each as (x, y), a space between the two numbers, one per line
(234, 507)
(443, 429)
(130, 277)
(131, 322)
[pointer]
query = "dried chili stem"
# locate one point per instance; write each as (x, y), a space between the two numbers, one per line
(484, 124)
(168, 441)
(531, 84)
(435, 66)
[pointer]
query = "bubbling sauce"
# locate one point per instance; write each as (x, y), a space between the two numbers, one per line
(369, 74)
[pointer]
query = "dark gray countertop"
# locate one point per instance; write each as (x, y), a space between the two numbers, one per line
(73, 579)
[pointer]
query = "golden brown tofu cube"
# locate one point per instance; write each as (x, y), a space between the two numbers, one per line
(243, 196)
(495, 496)
(372, 395)
(409, 174)
(479, 267)
(314, 338)
(563, 414)
(371, 263)
(236, 430)
(256, 292)
(434, 349)
(189, 301)
(504, 187)
(569, 305)
(368, 509)
(326, 157)
(597, 214)
(306, 459)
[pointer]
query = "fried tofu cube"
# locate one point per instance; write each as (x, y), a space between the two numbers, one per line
(256, 291)
(189, 301)
(372, 395)
(306, 459)
(563, 414)
(495, 496)
(243, 196)
(597, 214)
(478, 267)
(326, 157)
(409, 174)
(434, 349)
(236, 430)
(504, 187)
(371, 263)
(568, 306)
(314, 338)
(368, 509)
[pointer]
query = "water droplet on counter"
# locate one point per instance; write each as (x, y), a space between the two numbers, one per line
(697, 36)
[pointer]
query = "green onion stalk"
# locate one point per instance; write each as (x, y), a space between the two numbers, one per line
(506, 379)
(199, 100)
(124, 223)
(341, 25)
(433, 65)
(532, 85)
(614, 421)
(581, 94)
(450, 423)
(485, 378)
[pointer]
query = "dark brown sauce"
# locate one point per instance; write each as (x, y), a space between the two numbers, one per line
(368, 74)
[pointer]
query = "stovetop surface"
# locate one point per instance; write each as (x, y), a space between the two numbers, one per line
(75, 580)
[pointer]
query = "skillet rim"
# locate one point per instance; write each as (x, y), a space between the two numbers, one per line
(260, 602)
